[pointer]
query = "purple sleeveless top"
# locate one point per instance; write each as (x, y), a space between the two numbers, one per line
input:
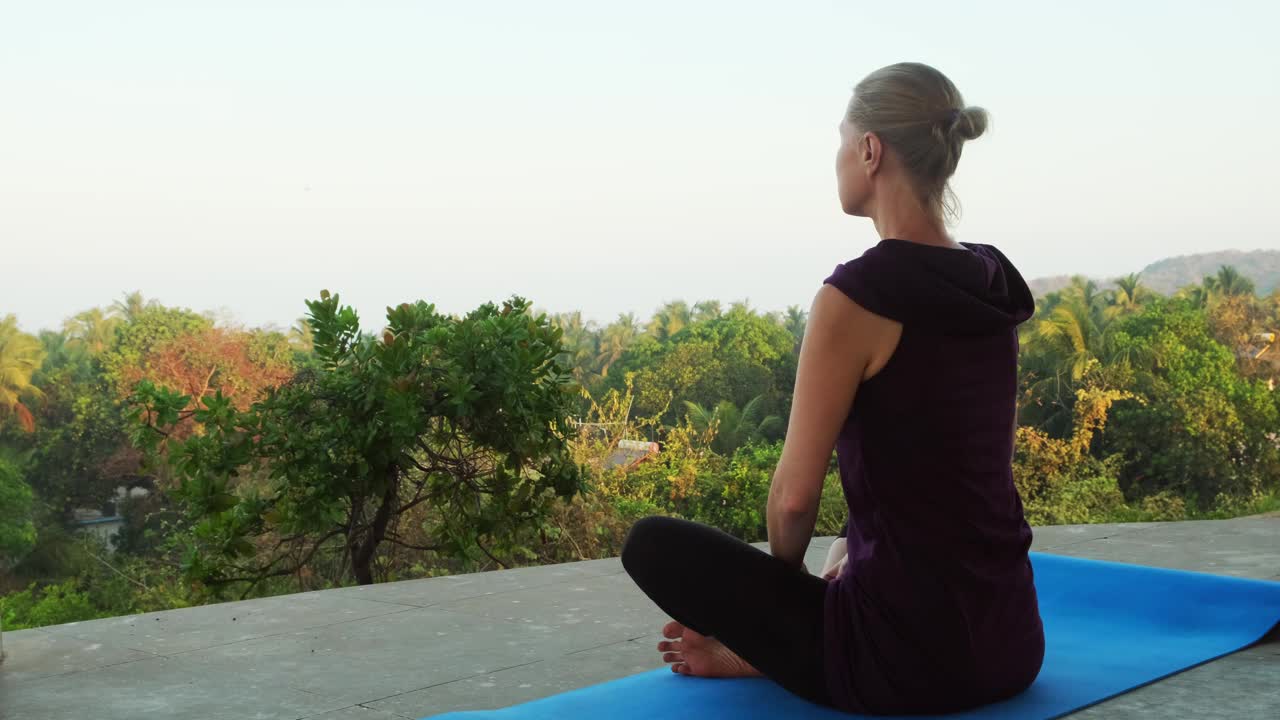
(935, 610)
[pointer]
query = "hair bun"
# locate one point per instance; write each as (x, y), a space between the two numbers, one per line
(969, 123)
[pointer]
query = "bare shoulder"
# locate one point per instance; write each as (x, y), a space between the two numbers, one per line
(842, 330)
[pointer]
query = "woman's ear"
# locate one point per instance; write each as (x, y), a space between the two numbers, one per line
(871, 151)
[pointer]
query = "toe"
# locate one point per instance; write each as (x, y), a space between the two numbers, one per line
(672, 657)
(672, 630)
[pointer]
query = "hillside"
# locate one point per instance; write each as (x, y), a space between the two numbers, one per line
(1260, 266)
(1167, 275)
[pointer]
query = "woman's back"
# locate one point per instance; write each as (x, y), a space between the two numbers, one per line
(937, 593)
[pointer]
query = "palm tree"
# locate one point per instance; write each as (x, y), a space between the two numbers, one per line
(132, 306)
(1196, 295)
(1074, 333)
(794, 321)
(1129, 295)
(729, 427)
(1229, 282)
(20, 357)
(300, 336)
(581, 345)
(57, 349)
(615, 340)
(1072, 345)
(706, 310)
(92, 331)
(670, 319)
(1066, 343)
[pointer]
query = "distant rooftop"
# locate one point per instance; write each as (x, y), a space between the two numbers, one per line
(410, 649)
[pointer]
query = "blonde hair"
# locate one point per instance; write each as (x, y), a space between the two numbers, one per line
(916, 110)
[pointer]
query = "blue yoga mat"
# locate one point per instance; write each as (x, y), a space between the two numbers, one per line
(1109, 628)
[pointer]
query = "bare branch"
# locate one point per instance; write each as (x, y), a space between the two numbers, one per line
(491, 557)
(255, 578)
(395, 540)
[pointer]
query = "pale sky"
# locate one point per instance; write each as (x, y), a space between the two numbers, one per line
(598, 155)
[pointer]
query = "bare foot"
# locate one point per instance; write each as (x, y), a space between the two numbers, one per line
(692, 654)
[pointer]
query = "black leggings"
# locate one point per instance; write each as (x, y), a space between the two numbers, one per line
(769, 613)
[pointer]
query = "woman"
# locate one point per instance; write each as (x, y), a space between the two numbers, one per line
(908, 369)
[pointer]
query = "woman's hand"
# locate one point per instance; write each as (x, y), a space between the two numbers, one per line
(834, 571)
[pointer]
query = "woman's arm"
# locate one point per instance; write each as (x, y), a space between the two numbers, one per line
(841, 342)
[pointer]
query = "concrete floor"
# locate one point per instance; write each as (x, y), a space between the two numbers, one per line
(417, 648)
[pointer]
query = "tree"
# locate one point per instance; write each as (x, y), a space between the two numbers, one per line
(238, 364)
(748, 334)
(300, 335)
(1235, 319)
(794, 321)
(581, 344)
(150, 328)
(730, 428)
(17, 531)
(1075, 332)
(466, 418)
(1058, 479)
(1064, 349)
(1196, 296)
(1196, 427)
(92, 331)
(688, 370)
(617, 337)
(1229, 282)
(669, 320)
(79, 453)
(732, 357)
(59, 351)
(20, 357)
(1127, 297)
(133, 306)
(706, 310)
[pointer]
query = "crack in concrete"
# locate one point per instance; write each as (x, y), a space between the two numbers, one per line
(603, 645)
(365, 703)
(1121, 533)
(150, 656)
(178, 655)
(490, 594)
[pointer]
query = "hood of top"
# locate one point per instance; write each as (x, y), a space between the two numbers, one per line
(974, 290)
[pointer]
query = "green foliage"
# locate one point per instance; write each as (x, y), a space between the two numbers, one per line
(669, 320)
(50, 605)
(730, 357)
(92, 331)
(20, 357)
(734, 497)
(17, 531)
(467, 416)
(1164, 506)
(78, 453)
(147, 327)
(1059, 480)
(1069, 346)
(731, 428)
(1229, 282)
(445, 444)
(1202, 430)
(94, 587)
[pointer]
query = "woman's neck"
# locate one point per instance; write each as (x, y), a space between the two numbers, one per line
(901, 217)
